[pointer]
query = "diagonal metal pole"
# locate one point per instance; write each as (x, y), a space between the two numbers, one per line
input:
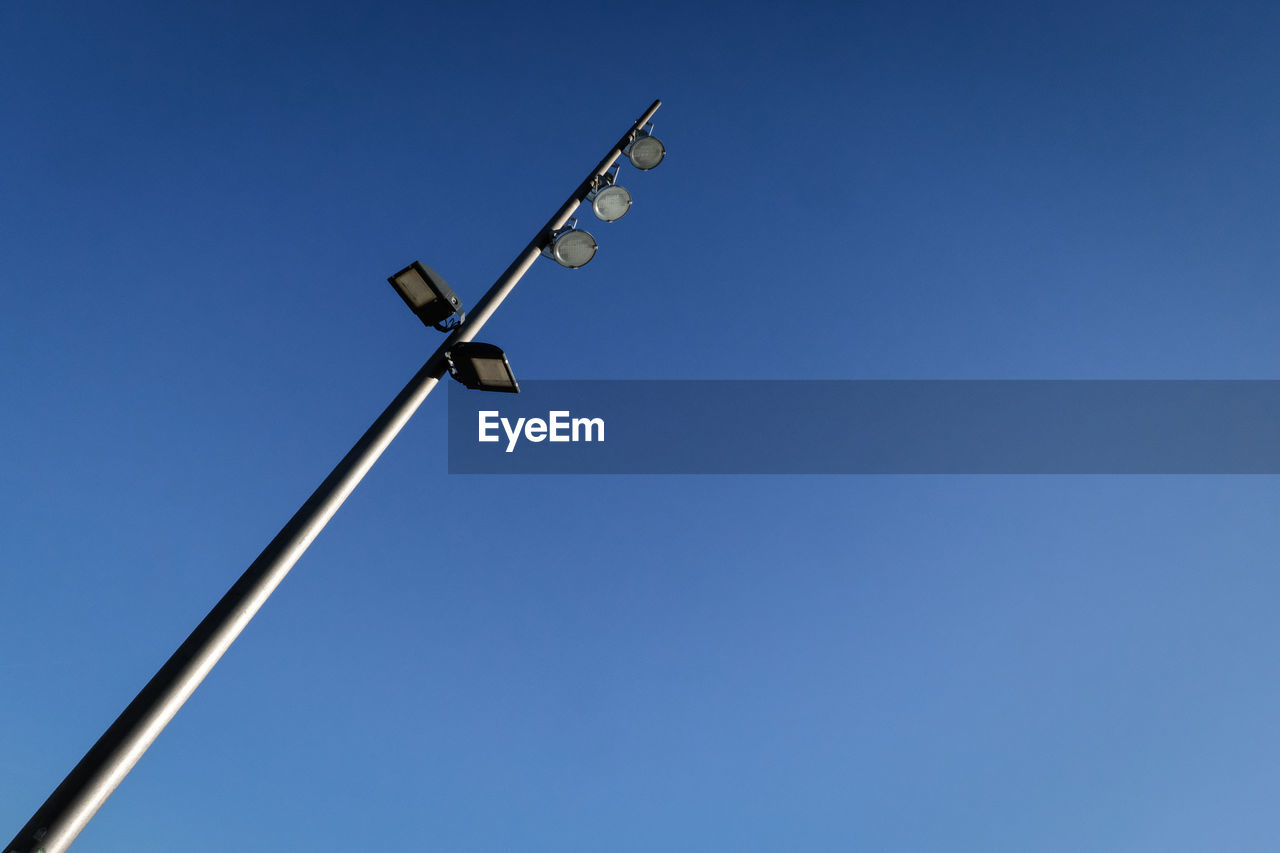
(77, 799)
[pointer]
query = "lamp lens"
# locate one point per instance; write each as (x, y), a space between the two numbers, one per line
(611, 203)
(415, 288)
(646, 152)
(574, 248)
(492, 371)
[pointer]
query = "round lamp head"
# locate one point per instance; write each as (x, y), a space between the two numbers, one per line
(646, 152)
(573, 249)
(611, 203)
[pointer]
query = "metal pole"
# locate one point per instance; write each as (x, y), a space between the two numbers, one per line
(74, 802)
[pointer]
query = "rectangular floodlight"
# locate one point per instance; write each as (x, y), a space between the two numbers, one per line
(481, 366)
(426, 293)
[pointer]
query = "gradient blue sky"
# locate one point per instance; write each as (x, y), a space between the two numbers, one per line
(201, 204)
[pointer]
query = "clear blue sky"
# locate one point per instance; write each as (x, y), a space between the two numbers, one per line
(201, 203)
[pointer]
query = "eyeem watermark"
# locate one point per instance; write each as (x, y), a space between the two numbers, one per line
(558, 426)
(871, 427)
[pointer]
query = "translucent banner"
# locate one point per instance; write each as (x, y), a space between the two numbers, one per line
(868, 427)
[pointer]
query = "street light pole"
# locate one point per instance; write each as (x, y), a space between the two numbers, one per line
(75, 801)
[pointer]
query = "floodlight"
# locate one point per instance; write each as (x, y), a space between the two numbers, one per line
(610, 203)
(645, 151)
(426, 293)
(572, 248)
(481, 366)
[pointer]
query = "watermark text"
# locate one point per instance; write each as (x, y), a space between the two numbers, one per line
(558, 426)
